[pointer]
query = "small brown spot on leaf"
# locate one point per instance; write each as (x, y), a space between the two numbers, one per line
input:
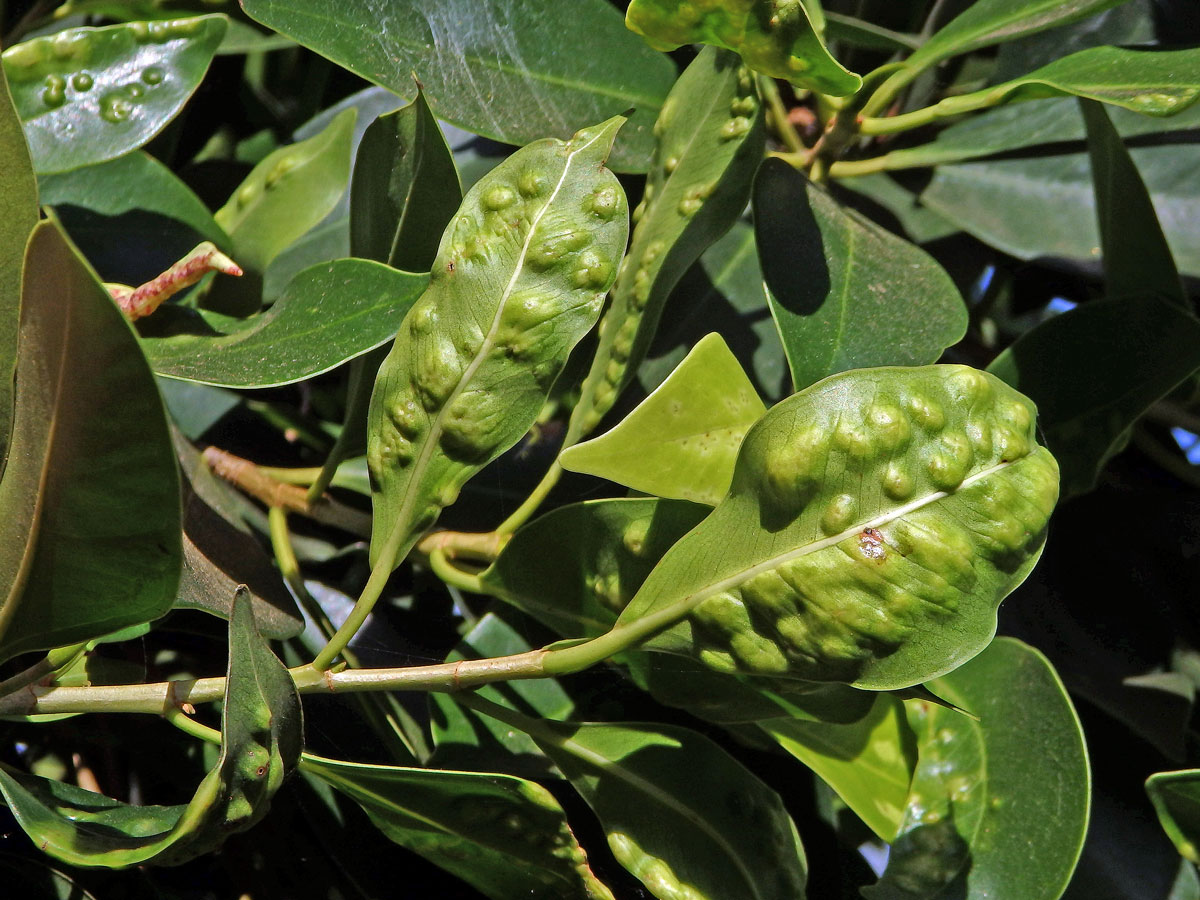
(870, 542)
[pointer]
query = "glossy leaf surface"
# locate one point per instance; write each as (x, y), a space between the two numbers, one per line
(18, 215)
(519, 278)
(1136, 256)
(89, 537)
(134, 182)
(1176, 799)
(723, 835)
(91, 94)
(1044, 206)
(1148, 346)
(778, 39)
(681, 441)
(405, 189)
(999, 806)
(287, 193)
(329, 313)
(261, 743)
(575, 568)
(511, 70)
(505, 836)
(710, 140)
(987, 22)
(868, 763)
(846, 293)
(910, 500)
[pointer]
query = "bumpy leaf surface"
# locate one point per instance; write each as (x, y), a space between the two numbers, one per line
(875, 522)
(710, 140)
(520, 277)
(91, 94)
(261, 744)
(780, 38)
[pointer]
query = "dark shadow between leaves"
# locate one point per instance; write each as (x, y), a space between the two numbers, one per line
(790, 247)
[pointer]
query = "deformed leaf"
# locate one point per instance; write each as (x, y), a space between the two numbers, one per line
(710, 140)
(512, 70)
(90, 524)
(519, 278)
(869, 762)
(999, 805)
(1136, 257)
(779, 39)
(329, 313)
(261, 744)
(846, 293)
(1176, 799)
(681, 441)
(875, 522)
(1148, 345)
(725, 834)
(91, 94)
(506, 836)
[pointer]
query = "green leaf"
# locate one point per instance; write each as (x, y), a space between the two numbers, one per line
(287, 193)
(467, 740)
(846, 293)
(1043, 207)
(710, 140)
(134, 182)
(1000, 804)
(18, 215)
(261, 744)
(724, 834)
(505, 836)
(89, 536)
(520, 277)
(987, 22)
(1176, 799)
(681, 442)
(1136, 257)
(512, 70)
(405, 189)
(87, 95)
(1095, 370)
(777, 39)
(911, 501)
(329, 313)
(574, 568)
(858, 32)
(868, 763)
(218, 558)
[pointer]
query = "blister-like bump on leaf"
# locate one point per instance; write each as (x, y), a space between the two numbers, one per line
(869, 534)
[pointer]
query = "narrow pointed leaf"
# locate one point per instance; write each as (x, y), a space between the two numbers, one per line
(90, 531)
(987, 22)
(405, 189)
(506, 836)
(845, 293)
(329, 313)
(1176, 799)
(18, 215)
(1148, 346)
(287, 193)
(710, 140)
(868, 763)
(91, 94)
(1136, 257)
(725, 834)
(875, 522)
(261, 743)
(999, 806)
(681, 441)
(781, 40)
(512, 70)
(519, 279)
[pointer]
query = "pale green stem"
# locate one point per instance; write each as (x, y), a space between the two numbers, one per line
(951, 106)
(451, 574)
(301, 476)
(188, 725)
(531, 503)
(48, 665)
(779, 114)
